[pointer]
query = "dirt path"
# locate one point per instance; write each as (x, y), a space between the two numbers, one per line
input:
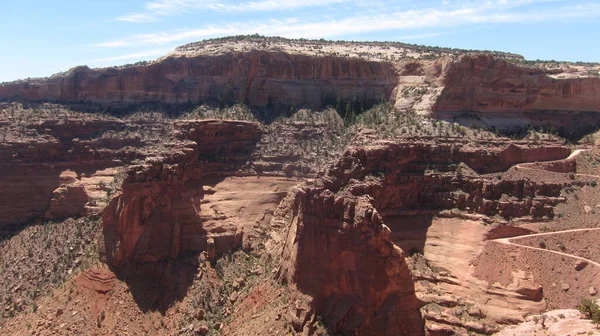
(508, 241)
(574, 154)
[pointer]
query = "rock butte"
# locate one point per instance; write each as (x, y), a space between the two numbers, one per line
(408, 236)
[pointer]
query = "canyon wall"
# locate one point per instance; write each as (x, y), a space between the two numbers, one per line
(471, 89)
(158, 213)
(202, 195)
(47, 163)
(332, 233)
(338, 252)
(504, 95)
(255, 78)
(57, 164)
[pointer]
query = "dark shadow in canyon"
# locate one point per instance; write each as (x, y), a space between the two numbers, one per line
(263, 114)
(25, 195)
(156, 286)
(409, 232)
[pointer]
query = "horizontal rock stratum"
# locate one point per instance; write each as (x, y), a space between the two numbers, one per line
(256, 78)
(486, 89)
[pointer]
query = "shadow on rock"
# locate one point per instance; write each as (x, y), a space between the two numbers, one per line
(156, 286)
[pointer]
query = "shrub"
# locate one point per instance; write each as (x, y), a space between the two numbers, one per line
(542, 244)
(590, 309)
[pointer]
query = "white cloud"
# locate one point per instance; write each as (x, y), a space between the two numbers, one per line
(455, 13)
(171, 7)
(418, 36)
(156, 9)
(137, 18)
(133, 56)
(273, 5)
(111, 44)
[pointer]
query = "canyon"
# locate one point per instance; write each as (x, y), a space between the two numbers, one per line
(269, 186)
(486, 90)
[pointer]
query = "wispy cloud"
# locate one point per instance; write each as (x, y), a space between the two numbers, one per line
(111, 44)
(156, 9)
(453, 13)
(272, 5)
(137, 18)
(131, 56)
(418, 36)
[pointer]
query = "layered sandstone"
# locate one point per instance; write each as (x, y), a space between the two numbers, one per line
(256, 78)
(339, 253)
(482, 89)
(505, 95)
(55, 167)
(205, 196)
(158, 214)
(378, 202)
(57, 163)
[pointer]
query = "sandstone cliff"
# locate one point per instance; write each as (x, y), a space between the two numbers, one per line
(332, 233)
(57, 163)
(159, 212)
(339, 253)
(470, 88)
(505, 95)
(256, 78)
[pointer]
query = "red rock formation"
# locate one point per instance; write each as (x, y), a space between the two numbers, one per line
(69, 199)
(42, 165)
(336, 248)
(158, 214)
(489, 91)
(339, 253)
(255, 78)
(503, 94)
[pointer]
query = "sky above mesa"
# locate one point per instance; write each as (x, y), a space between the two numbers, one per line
(43, 37)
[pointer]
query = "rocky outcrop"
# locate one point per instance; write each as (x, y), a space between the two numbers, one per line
(335, 235)
(69, 199)
(427, 176)
(53, 167)
(472, 88)
(255, 78)
(159, 212)
(338, 252)
(58, 163)
(505, 95)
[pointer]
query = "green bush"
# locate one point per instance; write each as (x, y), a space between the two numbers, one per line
(590, 309)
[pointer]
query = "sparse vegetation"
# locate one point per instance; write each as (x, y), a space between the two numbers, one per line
(59, 251)
(590, 309)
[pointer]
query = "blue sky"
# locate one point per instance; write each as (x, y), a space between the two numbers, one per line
(42, 37)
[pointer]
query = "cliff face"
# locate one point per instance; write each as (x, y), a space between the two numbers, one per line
(338, 252)
(47, 164)
(503, 95)
(57, 163)
(342, 239)
(255, 78)
(471, 88)
(159, 211)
